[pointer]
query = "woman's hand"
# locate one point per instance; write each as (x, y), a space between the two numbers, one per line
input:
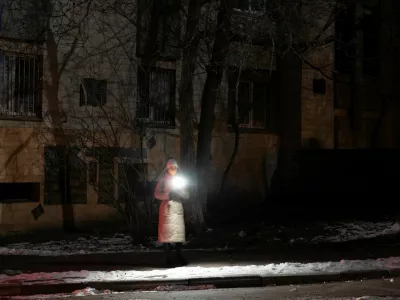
(173, 195)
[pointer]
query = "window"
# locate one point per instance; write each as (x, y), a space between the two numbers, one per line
(65, 177)
(156, 96)
(251, 102)
(319, 86)
(159, 28)
(252, 99)
(251, 5)
(25, 20)
(118, 173)
(93, 92)
(106, 176)
(130, 180)
(20, 85)
(11, 192)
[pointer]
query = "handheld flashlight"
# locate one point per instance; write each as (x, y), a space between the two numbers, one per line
(178, 182)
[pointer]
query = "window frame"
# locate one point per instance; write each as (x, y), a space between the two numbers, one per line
(129, 163)
(267, 78)
(143, 35)
(59, 170)
(36, 85)
(250, 124)
(84, 95)
(144, 87)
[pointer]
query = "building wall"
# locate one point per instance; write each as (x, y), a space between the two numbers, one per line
(22, 142)
(21, 160)
(250, 175)
(317, 110)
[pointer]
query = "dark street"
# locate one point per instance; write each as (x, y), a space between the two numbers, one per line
(328, 291)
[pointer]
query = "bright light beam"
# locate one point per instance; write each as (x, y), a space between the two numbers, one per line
(178, 182)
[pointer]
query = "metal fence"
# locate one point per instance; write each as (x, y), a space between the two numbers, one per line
(20, 89)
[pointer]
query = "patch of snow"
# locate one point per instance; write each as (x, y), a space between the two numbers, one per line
(374, 298)
(121, 243)
(183, 273)
(343, 232)
(40, 297)
(78, 293)
(118, 243)
(170, 288)
(90, 291)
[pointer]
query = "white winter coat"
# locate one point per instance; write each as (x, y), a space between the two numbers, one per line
(171, 222)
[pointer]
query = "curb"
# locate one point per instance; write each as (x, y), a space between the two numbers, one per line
(20, 289)
(228, 282)
(301, 279)
(367, 274)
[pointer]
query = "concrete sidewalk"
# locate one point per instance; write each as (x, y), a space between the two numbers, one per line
(387, 289)
(357, 250)
(149, 261)
(21, 289)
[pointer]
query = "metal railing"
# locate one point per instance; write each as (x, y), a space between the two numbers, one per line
(20, 89)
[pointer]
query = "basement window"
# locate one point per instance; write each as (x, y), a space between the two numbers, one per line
(11, 192)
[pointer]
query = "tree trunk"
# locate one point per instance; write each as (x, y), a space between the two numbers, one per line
(289, 76)
(235, 124)
(186, 106)
(186, 112)
(358, 94)
(56, 123)
(210, 93)
(225, 175)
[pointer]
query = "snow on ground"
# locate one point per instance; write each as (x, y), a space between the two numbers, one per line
(203, 272)
(78, 293)
(342, 232)
(120, 243)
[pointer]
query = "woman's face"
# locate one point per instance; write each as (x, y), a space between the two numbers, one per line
(172, 170)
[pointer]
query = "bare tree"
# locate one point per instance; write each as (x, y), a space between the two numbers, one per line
(90, 39)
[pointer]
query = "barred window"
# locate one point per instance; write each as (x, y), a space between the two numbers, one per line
(156, 103)
(20, 85)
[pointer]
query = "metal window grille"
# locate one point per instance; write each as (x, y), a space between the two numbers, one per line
(157, 96)
(20, 89)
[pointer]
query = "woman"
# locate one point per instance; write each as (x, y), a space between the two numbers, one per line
(171, 224)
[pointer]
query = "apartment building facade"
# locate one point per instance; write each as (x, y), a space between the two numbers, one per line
(93, 81)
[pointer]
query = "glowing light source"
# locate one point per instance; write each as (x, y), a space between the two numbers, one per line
(178, 182)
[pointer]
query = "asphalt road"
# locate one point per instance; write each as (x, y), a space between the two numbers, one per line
(340, 290)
